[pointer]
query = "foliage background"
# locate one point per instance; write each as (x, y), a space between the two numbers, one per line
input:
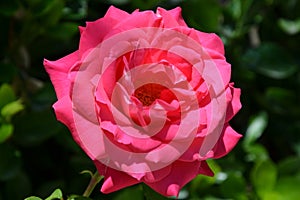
(38, 155)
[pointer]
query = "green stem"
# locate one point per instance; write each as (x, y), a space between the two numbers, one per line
(95, 179)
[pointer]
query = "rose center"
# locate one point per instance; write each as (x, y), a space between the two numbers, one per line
(148, 93)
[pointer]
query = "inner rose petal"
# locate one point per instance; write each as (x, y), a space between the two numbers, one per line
(149, 92)
(135, 101)
(140, 105)
(139, 57)
(146, 95)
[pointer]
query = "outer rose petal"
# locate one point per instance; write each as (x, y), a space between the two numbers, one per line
(226, 142)
(91, 36)
(63, 111)
(81, 29)
(58, 71)
(111, 24)
(139, 20)
(181, 174)
(114, 180)
(171, 18)
(234, 103)
(205, 169)
(212, 44)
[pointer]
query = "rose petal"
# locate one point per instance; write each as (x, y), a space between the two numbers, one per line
(171, 18)
(91, 36)
(139, 20)
(114, 14)
(64, 113)
(181, 174)
(226, 142)
(114, 180)
(81, 29)
(234, 103)
(205, 169)
(133, 144)
(154, 176)
(192, 153)
(212, 44)
(224, 70)
(58, 72)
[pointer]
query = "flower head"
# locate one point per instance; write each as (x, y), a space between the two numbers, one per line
(147, 98)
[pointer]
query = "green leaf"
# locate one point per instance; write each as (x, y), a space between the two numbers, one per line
(256, 152)
(57, 194)
(255, 129)
(234, 187)
(6, 131)
(77, 197)
(7, 95)
(289, 166)
(201, 183)
(33, 198)
(11, 109)
(289, 26)
(45, 187)
(272, 195)
(270, 60)
(288, 187)
(263, 177)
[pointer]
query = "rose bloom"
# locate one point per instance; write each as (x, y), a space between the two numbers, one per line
(147, 98)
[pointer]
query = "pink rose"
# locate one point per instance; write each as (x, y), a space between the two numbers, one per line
(147, 98)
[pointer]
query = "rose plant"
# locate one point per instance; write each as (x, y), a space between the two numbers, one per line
(147, 98)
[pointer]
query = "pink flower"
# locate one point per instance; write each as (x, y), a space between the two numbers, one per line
(147, 98)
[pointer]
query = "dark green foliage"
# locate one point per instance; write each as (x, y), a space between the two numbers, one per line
(262, 37)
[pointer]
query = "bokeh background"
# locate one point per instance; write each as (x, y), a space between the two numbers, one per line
(262, 39)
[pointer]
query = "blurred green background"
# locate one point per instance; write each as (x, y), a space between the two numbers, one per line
(38, 155)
